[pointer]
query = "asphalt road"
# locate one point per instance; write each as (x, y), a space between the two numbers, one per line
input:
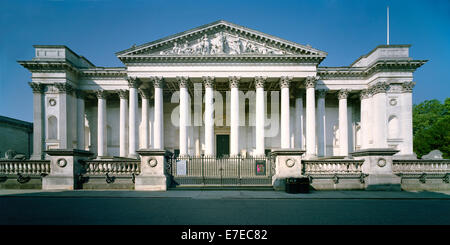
(188, 211)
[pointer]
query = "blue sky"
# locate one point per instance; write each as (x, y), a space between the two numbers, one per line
(97, 29)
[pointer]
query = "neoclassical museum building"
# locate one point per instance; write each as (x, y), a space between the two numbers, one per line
(224, 91)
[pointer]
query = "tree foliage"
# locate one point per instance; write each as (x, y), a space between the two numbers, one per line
(431, 127)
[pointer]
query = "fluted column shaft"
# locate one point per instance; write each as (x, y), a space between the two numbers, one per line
(38, 120)
(321, 134)
(365, 110)
(379, 115)
(80, 119)
(209, 115)
(299, 121)
(184, 103)
(406, 119)
(101, 124)
(234, 117)
(123, 121)
(260, 111)
(310, 117)
(133, 124)
(145, 95)
(158, 126)
(285, 113)
(343, 122)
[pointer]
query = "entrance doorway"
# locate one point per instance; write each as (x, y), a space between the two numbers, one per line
(222, 145)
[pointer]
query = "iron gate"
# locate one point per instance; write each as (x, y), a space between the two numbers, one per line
(227, 171)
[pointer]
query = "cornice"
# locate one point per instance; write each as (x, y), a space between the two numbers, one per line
(361, 72)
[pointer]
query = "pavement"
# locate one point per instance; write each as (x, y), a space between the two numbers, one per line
(227, 194)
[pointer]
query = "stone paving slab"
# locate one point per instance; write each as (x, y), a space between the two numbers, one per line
(226, 194)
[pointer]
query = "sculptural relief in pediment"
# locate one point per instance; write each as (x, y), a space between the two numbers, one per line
(219, 44)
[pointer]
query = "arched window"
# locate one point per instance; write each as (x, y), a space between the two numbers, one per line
(52, 128)
(393, 128)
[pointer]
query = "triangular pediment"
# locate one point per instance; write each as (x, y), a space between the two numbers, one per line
(220, 38)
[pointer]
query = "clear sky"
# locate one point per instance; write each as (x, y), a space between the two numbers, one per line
(97, 29)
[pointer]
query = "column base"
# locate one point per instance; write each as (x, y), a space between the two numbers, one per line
(151, 183)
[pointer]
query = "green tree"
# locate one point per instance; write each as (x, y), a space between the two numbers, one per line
(431, 127)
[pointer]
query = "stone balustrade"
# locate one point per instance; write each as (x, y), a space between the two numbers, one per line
(421, 166)
(332, 167)
(123, 167)
(25, 167)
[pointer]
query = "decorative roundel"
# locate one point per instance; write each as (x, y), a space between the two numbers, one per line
(52, 102)
(62, 162)
(381, 162)
(152, 162)
(393, 102)
(290, 162)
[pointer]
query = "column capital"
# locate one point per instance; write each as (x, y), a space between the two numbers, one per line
(64, 88)
(343, 94)
(123, 93)
(145, 93)
(134, 82)
(80, 94)
(407, 87)
(101, 94)
(158, 82)
(364, 94)
(321, 93)
(310, 82)
(259, 81)
(380, 87)
(183, 81)
(208, 81)
(37, 87)
(285, 81)
(234, 81)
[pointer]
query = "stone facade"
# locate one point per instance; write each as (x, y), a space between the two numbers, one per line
(181, 93)
(20, 138)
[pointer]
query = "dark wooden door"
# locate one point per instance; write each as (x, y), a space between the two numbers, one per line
(222, 145)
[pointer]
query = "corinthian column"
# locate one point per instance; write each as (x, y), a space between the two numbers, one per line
(80, 119)
(209, 115)
(234, 117)
(365, 110)
(343, 122)
(145, 95)
(101, 124)
(123, 121)
(133, 83)
(379, 114)
(406, 119)
(285, 114)
(310, 85)
(184, 103)
(321, 146)
(158, 126)
(38, 120)
(260, 111)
